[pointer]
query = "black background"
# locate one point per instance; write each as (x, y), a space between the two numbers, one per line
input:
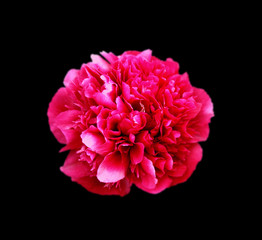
(53, 40)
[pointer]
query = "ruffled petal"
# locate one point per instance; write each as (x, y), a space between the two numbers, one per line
(104, 65)
(66, 120)
(75, 168)
(121, 107)
(200, 125)
(92, 138)
(162, 184)
(194, 156)
(113, 168)
(137, 153)
(92, 184)
(146, 54)
(71, 76)
(95, 140)
(109, 56)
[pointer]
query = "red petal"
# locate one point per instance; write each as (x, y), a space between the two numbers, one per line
(137, 153)
(125, 126)
(65, 120)
(200, 123)
(121, 107)
(178, 171)
(193, 158)
(149, 181)
(126, 92)
(73, 167)
(161, 185)
(104, 100)
(112, 169)
(94, 186)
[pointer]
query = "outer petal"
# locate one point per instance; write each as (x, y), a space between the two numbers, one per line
(104, 65)
(162, 184)
(70, 76)
(109, 56)
(193, 158)
(149, 180)
(207, 105)
(79, 172)
(93, 185)
(65, 120)
(57, 106)
(113, 168)
(201, 121)
(173, 67)
(146, 54)
(74, 168)
(137, 153)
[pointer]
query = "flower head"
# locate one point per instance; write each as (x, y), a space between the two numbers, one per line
(129, 119)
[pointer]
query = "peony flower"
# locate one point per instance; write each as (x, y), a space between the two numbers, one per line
(129, 119)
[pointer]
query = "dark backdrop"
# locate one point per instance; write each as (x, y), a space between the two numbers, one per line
(57, 43)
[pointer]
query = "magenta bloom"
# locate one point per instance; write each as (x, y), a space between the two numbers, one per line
(129, 119)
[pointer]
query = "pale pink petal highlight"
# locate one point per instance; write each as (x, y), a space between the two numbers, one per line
(112, 169)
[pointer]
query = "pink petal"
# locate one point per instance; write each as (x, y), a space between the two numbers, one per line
(161, 185)
(125, 126)
(62, 120)
(94, 139)
(77, 170)
(207, 105)
(168, 98)
(193, 158)
(146, 54)
(71, 158)
(113, 168)
(148, 176)
(121, 107)
(201, 121)
(58, 134)
(57, 104)
(149, 181)
(104, 100)
(126, 92)
(178, 171)
(173, 66)
(100, 62)
(148, 166)
(137, 153)
(93, 185)
(73, 140)
(145, 138)
(73, 167)
(109, 56)
(65, 120)
(70, 76)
